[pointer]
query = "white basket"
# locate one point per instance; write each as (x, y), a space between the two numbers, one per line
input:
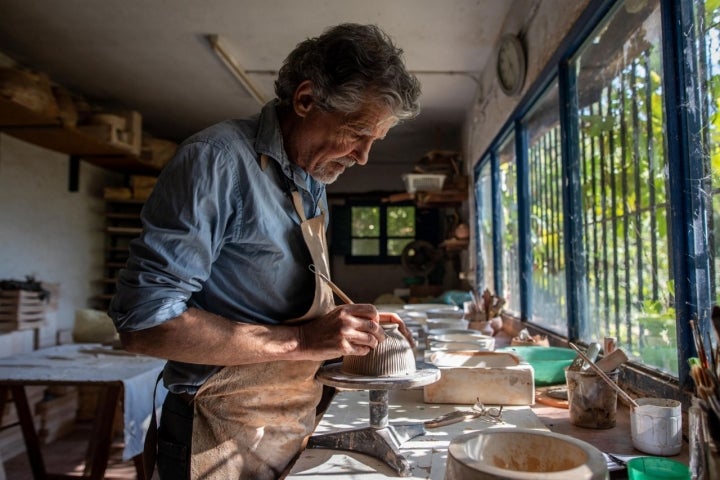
(423, 182)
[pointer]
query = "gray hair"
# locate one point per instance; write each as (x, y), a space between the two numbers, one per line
(350, 65)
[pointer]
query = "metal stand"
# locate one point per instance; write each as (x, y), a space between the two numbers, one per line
(379, 440)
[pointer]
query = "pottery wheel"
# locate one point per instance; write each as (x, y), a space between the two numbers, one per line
(331, 375)
(379, 440)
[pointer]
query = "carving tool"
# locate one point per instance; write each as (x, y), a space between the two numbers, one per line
(332, 286)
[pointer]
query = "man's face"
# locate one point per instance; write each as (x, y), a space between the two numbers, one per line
(331, 142)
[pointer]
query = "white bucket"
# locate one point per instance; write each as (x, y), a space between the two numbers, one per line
(656, 426)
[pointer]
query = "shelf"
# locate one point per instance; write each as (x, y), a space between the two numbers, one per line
(15, 115)
(124, 230)
(122, 216)
(455, 244)
(444, 198)
(47, 132)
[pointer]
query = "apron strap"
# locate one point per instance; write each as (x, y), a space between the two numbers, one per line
(297, 202)
(149, 454)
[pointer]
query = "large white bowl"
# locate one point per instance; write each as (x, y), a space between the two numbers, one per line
(523, 454)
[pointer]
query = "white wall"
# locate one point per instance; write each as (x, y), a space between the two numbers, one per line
(47, 231)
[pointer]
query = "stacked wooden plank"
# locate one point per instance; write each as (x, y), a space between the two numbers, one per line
(11, 439)
(21, 310)
(57, 413)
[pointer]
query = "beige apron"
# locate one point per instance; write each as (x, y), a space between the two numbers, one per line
(251, 420)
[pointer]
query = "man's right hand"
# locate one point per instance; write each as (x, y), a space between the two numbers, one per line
(346, 330)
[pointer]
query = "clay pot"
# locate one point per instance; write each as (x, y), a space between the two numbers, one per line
(392, 357)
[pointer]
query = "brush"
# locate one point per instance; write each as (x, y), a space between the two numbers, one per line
(332, 286)
(608, 380)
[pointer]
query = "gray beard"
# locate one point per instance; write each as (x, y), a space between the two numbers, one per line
(324, 175)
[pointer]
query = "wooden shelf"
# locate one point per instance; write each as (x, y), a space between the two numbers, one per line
(455, 244)
(47, 132)
(15, 115)
(444, 198)
(124, 230)
(122, 216)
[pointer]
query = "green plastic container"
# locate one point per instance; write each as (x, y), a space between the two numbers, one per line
(549, 363)
(647, 468)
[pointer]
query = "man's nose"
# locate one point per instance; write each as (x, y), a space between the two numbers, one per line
(362, 152)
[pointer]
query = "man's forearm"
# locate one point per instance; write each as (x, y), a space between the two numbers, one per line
(200, 337)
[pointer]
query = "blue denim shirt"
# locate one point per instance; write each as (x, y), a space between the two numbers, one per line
(220, 233)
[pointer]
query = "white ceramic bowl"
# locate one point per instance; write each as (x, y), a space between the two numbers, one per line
(436, 323)
(423, 307)
(445, 313)
(523, 454)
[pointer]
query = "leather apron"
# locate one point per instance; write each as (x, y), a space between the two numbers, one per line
(251, 420)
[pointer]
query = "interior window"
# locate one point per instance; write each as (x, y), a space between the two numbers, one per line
(381, 230)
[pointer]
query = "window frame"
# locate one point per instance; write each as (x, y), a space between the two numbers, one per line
(383, 258)
(691, 267)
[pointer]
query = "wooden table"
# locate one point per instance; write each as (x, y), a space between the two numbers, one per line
(124, 377)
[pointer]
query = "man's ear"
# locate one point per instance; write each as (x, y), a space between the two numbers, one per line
(303, 99)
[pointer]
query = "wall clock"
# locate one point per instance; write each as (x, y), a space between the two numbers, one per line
(511, 64)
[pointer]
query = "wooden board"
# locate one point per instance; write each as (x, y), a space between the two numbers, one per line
(541, 396)
(21, 310)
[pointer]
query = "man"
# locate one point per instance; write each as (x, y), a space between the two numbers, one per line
(219, 281)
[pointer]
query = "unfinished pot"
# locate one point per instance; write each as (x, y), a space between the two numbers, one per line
(520, 454)
(392, 357)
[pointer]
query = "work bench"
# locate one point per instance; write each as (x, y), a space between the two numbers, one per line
(427, 453)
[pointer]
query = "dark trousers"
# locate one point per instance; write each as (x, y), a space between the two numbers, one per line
(174, 438)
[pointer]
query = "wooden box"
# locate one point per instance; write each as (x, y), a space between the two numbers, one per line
(123, 130)
(21, 310)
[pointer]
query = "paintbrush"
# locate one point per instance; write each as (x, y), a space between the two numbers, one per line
(608, 380)
(699, 345)
(715, 317)
(332, 286)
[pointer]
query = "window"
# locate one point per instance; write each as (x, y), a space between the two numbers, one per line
(510, 268)
(380, 232)
(707, 22)
(483, 197)
(614, 190)
(549, 301)
(624, 186)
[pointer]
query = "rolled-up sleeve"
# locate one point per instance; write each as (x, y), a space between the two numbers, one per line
(189, 216)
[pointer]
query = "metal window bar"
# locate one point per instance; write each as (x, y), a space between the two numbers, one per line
(622, 203)
(708, 32)
(545, 179)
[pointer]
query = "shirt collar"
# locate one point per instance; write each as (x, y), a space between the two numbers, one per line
(269, 142)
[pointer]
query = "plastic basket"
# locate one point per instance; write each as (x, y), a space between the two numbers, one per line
(423, 182)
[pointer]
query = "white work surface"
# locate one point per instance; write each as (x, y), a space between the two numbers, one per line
(94, 364)
(427, 454)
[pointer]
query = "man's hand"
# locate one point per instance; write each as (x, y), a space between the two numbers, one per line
(388, 317)
(346, 330)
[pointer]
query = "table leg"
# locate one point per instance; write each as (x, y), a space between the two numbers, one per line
(98, 452)
(32, 443)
